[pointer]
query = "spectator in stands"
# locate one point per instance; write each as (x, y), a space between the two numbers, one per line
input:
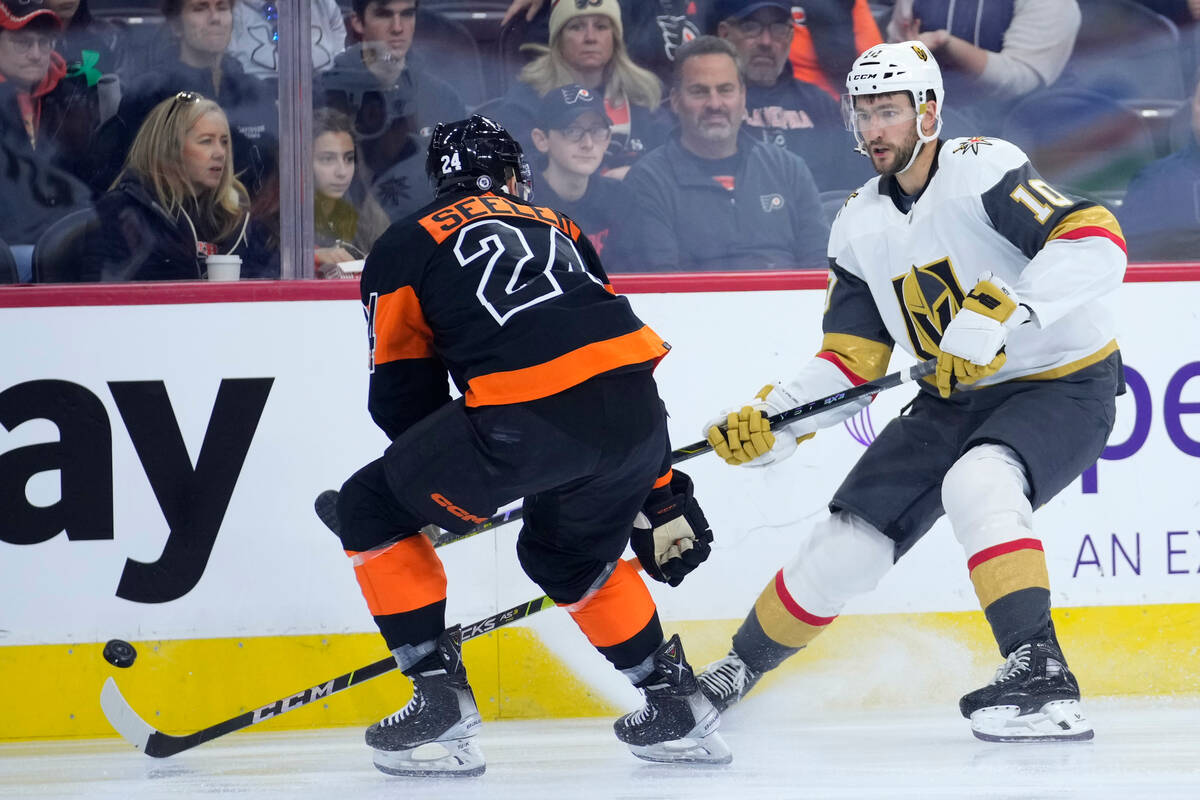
(715, 197)
(993, 52)
(829, 36)
(1160, 215)
(393, 103)
(374, 83)
(586, 46)
(198, 61)
(47, 121)
(256, 35)
(345, 228)
(572, 133)
(89, 45)
(653, 30)
(177, 201)
(782, 109)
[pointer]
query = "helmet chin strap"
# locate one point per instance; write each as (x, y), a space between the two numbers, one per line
(923, 139)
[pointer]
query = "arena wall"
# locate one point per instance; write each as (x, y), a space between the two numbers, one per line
(162, 445)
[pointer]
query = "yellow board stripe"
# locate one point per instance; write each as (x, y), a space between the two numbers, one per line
(182, 686)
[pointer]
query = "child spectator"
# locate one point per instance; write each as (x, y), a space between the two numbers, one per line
(572, 133)
(197, 62)
(393, 103)
(256, 35)
(177, 202)
(47, 121)
(345, 230)
(587, 47)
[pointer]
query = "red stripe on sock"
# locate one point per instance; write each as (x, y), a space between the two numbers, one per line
(794, 608)
(987, 554)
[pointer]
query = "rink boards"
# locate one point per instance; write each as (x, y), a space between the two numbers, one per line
(159, 458)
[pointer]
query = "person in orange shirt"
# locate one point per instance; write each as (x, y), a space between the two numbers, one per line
(829, 36)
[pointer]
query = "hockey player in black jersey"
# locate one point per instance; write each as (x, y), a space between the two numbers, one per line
(558, 407)
(958, 252)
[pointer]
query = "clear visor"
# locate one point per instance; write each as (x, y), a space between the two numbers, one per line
(869, 113)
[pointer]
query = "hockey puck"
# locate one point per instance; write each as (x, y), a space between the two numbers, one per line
(119, 653)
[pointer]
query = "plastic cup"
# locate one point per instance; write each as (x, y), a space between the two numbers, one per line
(224, 268)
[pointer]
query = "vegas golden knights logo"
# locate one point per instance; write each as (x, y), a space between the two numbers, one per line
(930, 296)
(921, 54)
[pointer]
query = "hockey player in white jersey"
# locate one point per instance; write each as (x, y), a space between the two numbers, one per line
(958, 251)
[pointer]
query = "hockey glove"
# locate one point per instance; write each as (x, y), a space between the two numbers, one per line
(743, 438)
(670, 536)
(972, 348)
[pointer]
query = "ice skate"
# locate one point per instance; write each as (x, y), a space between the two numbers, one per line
(727, 680)
(434, 735)
(1033, 697)
(678, 724)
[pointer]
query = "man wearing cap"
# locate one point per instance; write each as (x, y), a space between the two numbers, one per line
(714, 197)
(46, 122)
(572, 132)
(781, 109)
(394, 103)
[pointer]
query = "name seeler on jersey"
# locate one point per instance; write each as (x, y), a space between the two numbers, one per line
(469, 284)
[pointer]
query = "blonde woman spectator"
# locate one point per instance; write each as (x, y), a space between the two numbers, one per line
(587, 47)
(345, 229)
(196, 58)
(176, 202)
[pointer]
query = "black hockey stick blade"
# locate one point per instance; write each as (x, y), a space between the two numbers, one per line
(154, 742)
(913, 373)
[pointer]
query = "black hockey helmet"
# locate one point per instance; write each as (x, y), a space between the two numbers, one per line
(476, 154)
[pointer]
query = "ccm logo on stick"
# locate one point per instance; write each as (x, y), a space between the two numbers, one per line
(461, 513)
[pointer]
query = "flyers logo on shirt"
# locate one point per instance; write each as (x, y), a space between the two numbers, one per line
(771, 202)
(929, 298)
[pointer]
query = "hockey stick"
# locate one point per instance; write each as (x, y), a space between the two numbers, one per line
(154, 742)
(913, 373)
(325, 503)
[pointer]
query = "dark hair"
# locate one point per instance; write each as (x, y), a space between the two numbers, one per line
(705, 46)
(173, 8)
(360, 6)
(330, 120)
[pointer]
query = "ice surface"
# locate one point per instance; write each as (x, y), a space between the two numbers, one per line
(1142, 749)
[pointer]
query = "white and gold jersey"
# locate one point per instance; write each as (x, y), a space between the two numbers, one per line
(899, 277)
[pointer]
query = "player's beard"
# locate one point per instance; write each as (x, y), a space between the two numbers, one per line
(901, 156)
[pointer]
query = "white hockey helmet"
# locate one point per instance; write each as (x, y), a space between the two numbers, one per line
(899, 67)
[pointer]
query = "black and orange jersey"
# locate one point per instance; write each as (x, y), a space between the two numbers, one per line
(507, 297)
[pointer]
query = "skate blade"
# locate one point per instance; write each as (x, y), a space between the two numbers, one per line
(710, 749)
(455, 758)
(1057, 721)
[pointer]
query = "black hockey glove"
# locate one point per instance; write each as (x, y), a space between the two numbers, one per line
(670, 536)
